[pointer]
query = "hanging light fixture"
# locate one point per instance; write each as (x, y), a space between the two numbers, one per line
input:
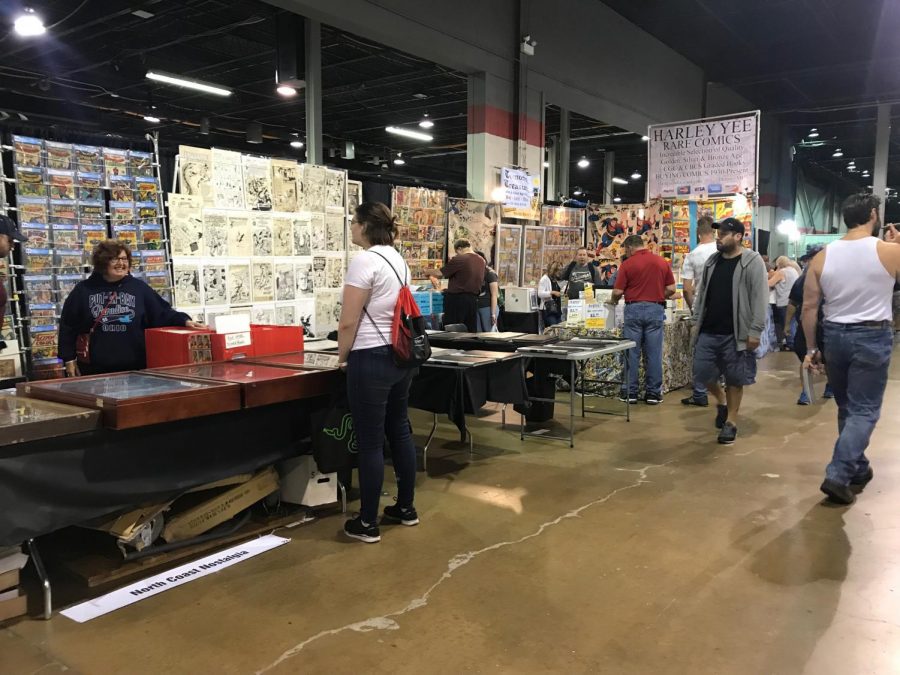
(636, 175)
(426, 123)
(29, 24)
(813, 133)
(838, 153)
(398, 160)
(583, 163)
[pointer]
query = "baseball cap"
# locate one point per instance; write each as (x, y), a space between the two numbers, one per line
(730, 225)
(8, 227)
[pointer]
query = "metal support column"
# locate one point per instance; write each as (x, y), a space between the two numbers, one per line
(313, 44)
(563, 154)
(609, 170)
(551, 173)
(882, 150)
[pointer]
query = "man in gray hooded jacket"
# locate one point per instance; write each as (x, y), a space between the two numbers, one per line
(729, 316)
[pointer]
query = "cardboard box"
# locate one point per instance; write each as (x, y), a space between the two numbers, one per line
(224, 506)
(14, 606)
(302, 483)
(9, 580)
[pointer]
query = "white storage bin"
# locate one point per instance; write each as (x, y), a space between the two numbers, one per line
(302, 483)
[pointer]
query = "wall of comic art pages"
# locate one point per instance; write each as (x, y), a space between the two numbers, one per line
(67, 199)
(262, 236)
(475, 221)
(610, 224)
(421, 228)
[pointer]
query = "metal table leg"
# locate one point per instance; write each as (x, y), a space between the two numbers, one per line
(583, 367)
(627, 389)
(342, 491)
(572, 407)
(45, 580)
(428, 442)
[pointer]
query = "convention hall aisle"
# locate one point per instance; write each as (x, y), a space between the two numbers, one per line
(647, 548)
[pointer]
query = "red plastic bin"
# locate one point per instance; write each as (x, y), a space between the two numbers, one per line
(221, 350)
(269, 340)
(175, 346)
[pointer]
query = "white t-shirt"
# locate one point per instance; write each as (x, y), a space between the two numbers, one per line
(370, 272)
(695, 260)
(783, 287)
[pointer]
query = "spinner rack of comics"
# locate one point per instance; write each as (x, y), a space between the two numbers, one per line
(68, 198)
(259, 236)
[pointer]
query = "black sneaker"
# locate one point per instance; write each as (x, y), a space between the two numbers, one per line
(838, 492)
(630, 399)
(863, 479)
(699, 402)
(653, 399)
(357, 529)
(721, 415)
(396, 514)
(727, 434)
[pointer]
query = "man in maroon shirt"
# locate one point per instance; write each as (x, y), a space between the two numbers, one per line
(465, 275)
(9, 235)
(646, 281)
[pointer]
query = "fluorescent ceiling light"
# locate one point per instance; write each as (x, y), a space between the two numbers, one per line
(838, 153)
(636, 175)
(409, 133)
(166, 78)
(426, 123)
(151, 119)
(29, 24)
(645, 138)
(297, 144)
(286, 91)
(620, 181)
(399, 161)
(617, 199)
(578, 192)
(583, 163)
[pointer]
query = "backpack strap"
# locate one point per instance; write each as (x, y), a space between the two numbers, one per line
(365, 307)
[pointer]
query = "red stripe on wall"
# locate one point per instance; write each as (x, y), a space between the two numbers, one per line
(486, 119)
(773, 199)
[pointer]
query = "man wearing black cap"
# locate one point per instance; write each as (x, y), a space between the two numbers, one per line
(9, 235)
(730, 315)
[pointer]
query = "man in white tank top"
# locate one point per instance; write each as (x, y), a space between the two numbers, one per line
(855, 276)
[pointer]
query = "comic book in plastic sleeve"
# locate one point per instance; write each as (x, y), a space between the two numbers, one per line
(38, 288)
(59, 155)
(121, 213)
(64, 285)
(69, 261)
(115, 163)
(44, 342)
(151, 236)
(153, 260)
(28, 151)
(158, 280)
(42, 315)
(127, 234)
(32, 210)
(137, 262)
(66, 236)
(146, 188)
(121, 188)
(38, 260)
(93, 212)
(38, 235)
(88, 186)
(140, 163)
(91, 235)
(147, 213)
(61, 184)
(63, 211)
(30, 182)
(88, 159)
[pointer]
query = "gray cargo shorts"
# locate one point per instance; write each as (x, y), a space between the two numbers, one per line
(717, 355)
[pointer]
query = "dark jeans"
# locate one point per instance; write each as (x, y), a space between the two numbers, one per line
(378, 393)
(551, 317)
(779, 314)
(644, 324)
(856, 360)
(461, 308)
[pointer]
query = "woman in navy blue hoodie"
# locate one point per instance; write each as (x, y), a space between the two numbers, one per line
(114, 308)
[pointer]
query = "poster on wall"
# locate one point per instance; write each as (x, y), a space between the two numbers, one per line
(421, 228)
(610, 224)
(532, 259)
(561, 244)
(522, 194)
(195, 173)
(696, 159)
(509, 247)
(475, 221)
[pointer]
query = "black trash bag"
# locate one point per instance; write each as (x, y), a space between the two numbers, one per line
(334, 443)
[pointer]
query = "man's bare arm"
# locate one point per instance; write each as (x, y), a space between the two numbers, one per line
(812, 296)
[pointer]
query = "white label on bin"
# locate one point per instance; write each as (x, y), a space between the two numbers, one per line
(233, 340)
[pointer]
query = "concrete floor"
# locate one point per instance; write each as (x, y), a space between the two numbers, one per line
(648, 548)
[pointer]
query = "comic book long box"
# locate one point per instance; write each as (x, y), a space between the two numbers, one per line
(187, 346)
(178, 346)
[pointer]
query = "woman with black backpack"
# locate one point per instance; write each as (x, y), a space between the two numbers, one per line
(377, 388)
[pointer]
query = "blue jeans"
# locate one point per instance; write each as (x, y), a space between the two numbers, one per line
(700, 392)
(551, 317)
(644, 324)
(378, 393)
(484, 320)
(856, 360)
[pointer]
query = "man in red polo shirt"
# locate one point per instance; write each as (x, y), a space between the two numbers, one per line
(646, 281)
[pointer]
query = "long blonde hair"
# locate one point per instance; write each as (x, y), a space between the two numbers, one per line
(783, 261)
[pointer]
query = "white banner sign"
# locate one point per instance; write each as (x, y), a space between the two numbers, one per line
(703, 158)
(517, 184)
(174, 577)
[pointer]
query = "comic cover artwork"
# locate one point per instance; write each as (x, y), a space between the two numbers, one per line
(285, 282)
(151, 236)
(187, 286)
(215, 285)
(215, 234)
(185, 224)
(63, 211)
(61, 183)
(30, 182)
(66, 236)
(335, 224)
(282, 236)
(140, 164)
(38, 235)
(328, 310)
(314, 184)
(127, 234)
(195, 173)
(303, 274)
(284, 185)
(88, 159)
(240, 237)
(301, 229)
(227, 178)
(44, 341)
(263, 281)
(354, 196)
(91, 235)
(122, 213)
(59, 155)
(146, 189)
(147, 212)
(257, 182)
(287, 315)
(38, 260)
(239, 285)
(27, 151)
(32, 210)
(318, 237)
(262, 235)
(38, 288)
(122, 188)
(306, 316)
(115, 162)
(89, 186)
(475, 221)
(334, 188)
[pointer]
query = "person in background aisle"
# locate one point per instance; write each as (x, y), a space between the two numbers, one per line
(729, 316)
(9, 235)
(112, 309)
(690, 273)
(795, 309)
(786, 273)
(579, 273)
(549, 294)
(855, 277)
(487, 299)
(646, 282)
(377, 388)
(465, 275)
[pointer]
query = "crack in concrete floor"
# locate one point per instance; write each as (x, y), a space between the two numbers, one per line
(387, 622)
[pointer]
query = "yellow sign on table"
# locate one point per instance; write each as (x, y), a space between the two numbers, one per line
(595, 315)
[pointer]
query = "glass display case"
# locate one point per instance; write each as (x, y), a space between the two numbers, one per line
(303, 360)
(260, 384)
(136, 399)
(27, 419)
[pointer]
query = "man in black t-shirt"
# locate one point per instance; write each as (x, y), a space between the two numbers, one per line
(730, 313)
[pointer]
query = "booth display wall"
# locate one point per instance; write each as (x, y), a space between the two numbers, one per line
(421, 228)
(475, 221)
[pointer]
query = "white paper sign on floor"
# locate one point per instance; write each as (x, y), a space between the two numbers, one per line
(175, 577)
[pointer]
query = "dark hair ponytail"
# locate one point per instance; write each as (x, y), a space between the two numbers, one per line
(379, 224)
